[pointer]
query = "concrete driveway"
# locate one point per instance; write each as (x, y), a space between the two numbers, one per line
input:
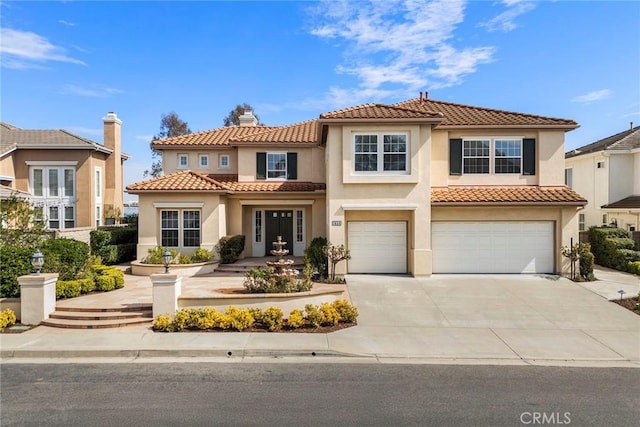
(527, 317)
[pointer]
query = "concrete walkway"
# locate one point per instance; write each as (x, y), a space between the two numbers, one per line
(468, 319)
(611, 281)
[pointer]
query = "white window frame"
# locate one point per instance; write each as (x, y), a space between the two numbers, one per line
(568, 177)
(492, 153)
(58, 197)
(204, 157)
(181, 227)
(224, 162)
(277, 178)
(581, 222)
(381, 153)
(98, 182)
(186, 163)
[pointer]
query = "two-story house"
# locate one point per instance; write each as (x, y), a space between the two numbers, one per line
(417, 187)
(607, 173)
(70, 180)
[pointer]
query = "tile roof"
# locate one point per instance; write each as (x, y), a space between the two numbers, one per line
(299, 133)
(459, 115)
(12, 137)
(216, 137)
(381, 111)
(631, 202)
(498, 195)
(178, 181)
(191, 181)
(627, 140)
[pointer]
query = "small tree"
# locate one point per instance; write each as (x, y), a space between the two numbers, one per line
(335, 254)
(170, 125)
(19, 223)
(233, 118)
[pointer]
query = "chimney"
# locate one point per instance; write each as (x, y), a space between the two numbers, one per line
(113, 171)
(420, 97)
(426, 95)
(630, 125)
(248, 119)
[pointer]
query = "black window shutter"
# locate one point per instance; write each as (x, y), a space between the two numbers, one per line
(529, 156)
(292, 165)
(261, 165)
(455, 156)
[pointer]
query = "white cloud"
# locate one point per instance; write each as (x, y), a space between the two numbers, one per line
(24, 49)
(97, 91)
(396, 48)
(594, 96)
(67, 23)
(506, 20)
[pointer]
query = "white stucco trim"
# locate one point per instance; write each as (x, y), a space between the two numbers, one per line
(270, 202)
(178, 204)
(378, 207)
(51, 162)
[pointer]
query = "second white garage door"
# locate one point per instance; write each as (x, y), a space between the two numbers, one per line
(493, 247)
(377, 247)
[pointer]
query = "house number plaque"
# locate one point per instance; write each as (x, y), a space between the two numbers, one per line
(336, 223)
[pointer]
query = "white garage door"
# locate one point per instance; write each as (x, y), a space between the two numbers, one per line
(377, 247)
(493, 247)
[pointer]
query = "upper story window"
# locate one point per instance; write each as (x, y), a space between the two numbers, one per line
(502, 155)
(568, 177)
(203, 160)
(380, 153)
(223, 161)
(183, 161)
(53, 188)
(276, 165)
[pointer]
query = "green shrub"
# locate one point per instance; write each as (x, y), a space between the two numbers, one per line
(605, 249)
(634, 267)
(315, 256)
(154, 256)
(630, 255)
(105, 283)
(68, 289)
(67, 257)
(259, 280)
(622, 242)
(272, 318)
(296, 319)
(15, 261)
(87, 285)
(346, 311)
(202, 255)
(98, 239)
(586, 261)
(229, 248)
(239, 318)
(114, 244)
(184, 259)
(7, 318)
(313, 314)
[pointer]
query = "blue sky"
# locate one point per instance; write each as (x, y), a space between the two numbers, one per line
(66, 64)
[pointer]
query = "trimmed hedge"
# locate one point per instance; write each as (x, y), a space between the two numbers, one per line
(634, 267)
(605, 243)
(114, 245)
(630, 255)
(67, 257)
(15, 261)
(229, 248)
(314, 255)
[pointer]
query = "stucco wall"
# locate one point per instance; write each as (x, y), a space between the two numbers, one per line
(408, 200)
(310, 162)
(620, 176)
(170, 160)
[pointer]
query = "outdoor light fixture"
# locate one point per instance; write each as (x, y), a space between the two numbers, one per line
(37, 261)
(166, 257)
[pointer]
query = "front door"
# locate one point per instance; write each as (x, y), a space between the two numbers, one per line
(279, 223)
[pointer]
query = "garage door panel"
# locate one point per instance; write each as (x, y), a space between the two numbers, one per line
(493, 247)
(377, 247)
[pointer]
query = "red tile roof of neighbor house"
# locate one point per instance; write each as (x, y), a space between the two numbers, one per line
(524, 195)
(191, 181)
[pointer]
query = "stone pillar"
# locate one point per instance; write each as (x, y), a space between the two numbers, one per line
(37, 297)
(166, 290)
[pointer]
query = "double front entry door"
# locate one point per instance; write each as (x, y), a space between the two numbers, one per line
(279, 223)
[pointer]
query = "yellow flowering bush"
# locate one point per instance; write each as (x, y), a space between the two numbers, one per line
(296, 319)
(272, 318)
(162, 323)
(239, 318)
(7, 318)
(346, 311)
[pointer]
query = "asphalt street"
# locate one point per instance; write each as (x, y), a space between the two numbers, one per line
(315, 394)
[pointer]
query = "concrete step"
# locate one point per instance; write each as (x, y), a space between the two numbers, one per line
(110, 315)
(128, 308)
(95, 324)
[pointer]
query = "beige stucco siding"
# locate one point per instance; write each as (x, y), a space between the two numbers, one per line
(170, 160)
(564, 218)
(310, 162)
(620, 170)
(549, 153)
(149, 235)
(380, 197)
(6, 166)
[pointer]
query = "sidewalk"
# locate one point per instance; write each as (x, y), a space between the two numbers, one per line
(611, 281)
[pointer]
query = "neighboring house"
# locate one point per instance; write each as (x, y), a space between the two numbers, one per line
(417, 187)
(607, 173)
(71, 180)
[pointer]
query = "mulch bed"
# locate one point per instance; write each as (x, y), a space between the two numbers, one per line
(305, 329)
(629, 304)
(18, 328)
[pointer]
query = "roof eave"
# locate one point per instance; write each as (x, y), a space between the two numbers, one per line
(528, 126)
(133, 191)
(576, 203)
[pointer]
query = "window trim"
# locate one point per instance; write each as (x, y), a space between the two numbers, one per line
(380, 153)
(568, 177)
(202, 157)
(581, 222)
(285, 170)
(220, 162)
(180, 157)
(180, 227)
(492, 153)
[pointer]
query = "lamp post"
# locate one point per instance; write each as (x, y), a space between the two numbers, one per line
(37, 261)
(166, 258)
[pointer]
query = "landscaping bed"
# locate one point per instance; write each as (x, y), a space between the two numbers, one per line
(630, 304)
